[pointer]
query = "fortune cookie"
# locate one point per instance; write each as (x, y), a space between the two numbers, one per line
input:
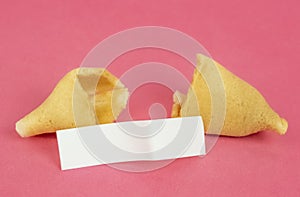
(83, 97)
(246, 111)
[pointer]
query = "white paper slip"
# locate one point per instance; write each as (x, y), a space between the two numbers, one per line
(144, 140)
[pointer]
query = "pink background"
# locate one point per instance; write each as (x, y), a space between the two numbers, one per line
(258, 40)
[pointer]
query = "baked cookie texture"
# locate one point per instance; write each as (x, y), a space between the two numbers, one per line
(246, 110)
(83, 97)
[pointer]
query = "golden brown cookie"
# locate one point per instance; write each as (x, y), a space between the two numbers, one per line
(93, 95)
(247, 111)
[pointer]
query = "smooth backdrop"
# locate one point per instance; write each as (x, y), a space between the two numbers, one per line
(257, 40)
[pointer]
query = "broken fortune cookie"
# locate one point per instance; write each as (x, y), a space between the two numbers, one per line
(246, 110)
(83, 97)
